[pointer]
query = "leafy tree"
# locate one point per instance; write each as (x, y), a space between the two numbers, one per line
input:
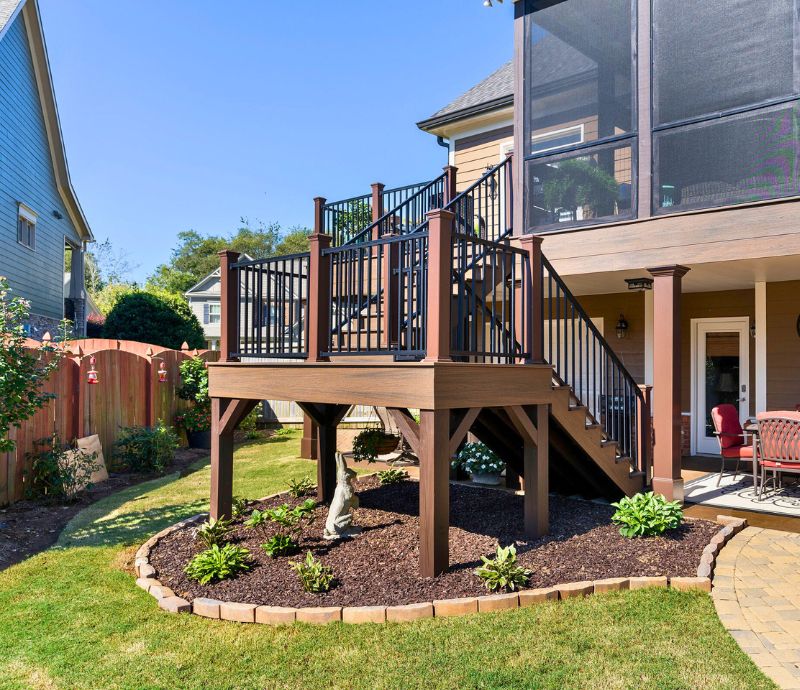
(161, 319)
(112, 293)
(105, 265)
(293, 242)
(23, 372)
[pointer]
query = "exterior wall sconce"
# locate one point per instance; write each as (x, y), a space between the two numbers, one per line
(753, 331)
(622, 327)
(639, 284)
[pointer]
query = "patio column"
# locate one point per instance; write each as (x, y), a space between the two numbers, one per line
(434, 492)
(667, 380)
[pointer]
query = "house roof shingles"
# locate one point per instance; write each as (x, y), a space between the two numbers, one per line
(7, 10)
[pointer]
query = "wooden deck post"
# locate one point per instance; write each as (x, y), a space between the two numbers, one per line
(530, 312)
(229, 307)
(390, 277)
(450, 182)
(327, 418)
(440, 290)
(308, 444)
(377, 203)
(644, 434)
(434, 492)
(221, 463)
(535, 466)
(667, 381)
(318, 310)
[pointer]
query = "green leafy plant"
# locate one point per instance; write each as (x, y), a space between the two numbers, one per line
(392, 476)
(314, 576)
(646, 515)
(249, 425)
(258, 518)
(58, 472)
(300, 487)
(579, 183)
(218, 563)
(213, 532)
(194, 380)
(477, 458)
(238, 506)
(502, 572)
(146, 449)
(195, 419)
(23, 371)
(280, 545)
(371, 443)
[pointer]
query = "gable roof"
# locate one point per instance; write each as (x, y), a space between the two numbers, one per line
(9, 9)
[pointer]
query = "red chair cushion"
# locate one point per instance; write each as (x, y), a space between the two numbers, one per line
(742, 452)
(726, 423)
(781, 465)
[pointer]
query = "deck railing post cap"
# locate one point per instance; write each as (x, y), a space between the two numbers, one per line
(320, 200)
(531, 239)
(675, 270)
(440, 213)
(378, 184)
(228, 253)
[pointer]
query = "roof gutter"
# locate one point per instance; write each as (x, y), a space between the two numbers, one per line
(464, 113)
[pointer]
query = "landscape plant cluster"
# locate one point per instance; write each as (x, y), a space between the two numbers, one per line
(59, 473)
(646, 515)
(221, 559)
(146, 449)
(478, 458)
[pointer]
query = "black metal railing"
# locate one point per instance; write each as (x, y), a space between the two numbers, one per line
(583, 359)
(347, 219)
(413, 203)
(272, 301)
(377, 297)
(485, 208)
(491, 294)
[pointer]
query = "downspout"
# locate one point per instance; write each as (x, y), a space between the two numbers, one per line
(445, 145)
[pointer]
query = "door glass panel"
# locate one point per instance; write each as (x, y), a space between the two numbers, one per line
(722, 373)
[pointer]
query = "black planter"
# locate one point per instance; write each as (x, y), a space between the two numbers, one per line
(199, 439)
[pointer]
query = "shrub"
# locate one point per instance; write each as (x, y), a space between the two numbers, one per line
(249, 425)
(146, 449)
(477, 458)
(502, 571)
(371, 443)
(158, 319)
(197, 418)
(218, 563)
(194, 380)
(280, 545)
(58, 472)
(314, 576)
(300, 487)
(213, 532)
(392, 476)
(646, 515)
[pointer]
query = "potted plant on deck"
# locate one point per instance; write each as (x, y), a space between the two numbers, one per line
(481, 462)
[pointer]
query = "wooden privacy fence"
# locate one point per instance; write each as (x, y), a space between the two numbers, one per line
(128, 394)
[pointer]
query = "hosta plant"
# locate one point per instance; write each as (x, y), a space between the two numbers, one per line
(238, 506)
(213, 532)
(646, 515)
(280, 545)
(300, 487)
(314, 576)
(258, 518)
(218, 563)
(392, 476)
(478, 458)
(503, 572)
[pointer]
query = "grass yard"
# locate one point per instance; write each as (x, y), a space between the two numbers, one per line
(72, 618)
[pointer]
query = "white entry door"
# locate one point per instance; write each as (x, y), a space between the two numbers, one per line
(720, 374)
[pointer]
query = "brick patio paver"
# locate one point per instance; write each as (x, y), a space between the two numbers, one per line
(756, 596)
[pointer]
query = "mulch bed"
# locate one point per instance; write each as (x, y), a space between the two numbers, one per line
(379, 566)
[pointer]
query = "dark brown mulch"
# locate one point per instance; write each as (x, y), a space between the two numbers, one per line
(28, 527)
(379, 567)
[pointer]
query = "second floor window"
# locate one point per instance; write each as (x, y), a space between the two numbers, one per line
(726, 89)
(26, 227)
(214, 313)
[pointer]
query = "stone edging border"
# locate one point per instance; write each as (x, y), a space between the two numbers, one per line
(442, 608)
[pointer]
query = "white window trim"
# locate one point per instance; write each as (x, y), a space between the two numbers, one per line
(558, 132)
(27, 213)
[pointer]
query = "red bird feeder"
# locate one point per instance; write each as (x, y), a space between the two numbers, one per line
(162, 373)
(91, 377)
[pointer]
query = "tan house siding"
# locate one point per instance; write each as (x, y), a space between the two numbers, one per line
(783, 345)
(474, 153)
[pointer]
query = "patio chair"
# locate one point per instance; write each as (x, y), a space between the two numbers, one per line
(778, 445)
(734, 442)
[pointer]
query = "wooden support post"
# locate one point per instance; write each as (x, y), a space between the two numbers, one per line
(318, 310)
(667, 381)
(221, 462)
(450, 182)
(229, 309)
(327, 418)
(308, 444)
(390, 277)
(536, 477)
(644, 433)
(440, 290)
(377, 202)
(434, 492)
(530, 312)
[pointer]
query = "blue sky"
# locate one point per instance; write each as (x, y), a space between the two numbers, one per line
(189, 114)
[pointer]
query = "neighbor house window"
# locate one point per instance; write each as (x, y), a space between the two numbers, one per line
(579, 112)
(726, 86)
(26, 227)
(214, 313)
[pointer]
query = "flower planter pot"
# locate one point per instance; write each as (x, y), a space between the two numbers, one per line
(199, 439)
(387, 444)
(487, 479)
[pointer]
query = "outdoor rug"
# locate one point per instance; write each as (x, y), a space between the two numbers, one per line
(738, 492)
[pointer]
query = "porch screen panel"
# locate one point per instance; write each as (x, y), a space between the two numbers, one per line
(726, 84)
(579, 96)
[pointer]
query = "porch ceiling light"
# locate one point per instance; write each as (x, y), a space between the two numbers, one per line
(622, 327)
(639, 284)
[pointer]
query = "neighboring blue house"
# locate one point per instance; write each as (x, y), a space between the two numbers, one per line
(43, 232)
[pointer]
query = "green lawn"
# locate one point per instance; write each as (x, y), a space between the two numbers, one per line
(73, 618)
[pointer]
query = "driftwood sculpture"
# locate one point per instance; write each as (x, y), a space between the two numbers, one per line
(339, 523)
